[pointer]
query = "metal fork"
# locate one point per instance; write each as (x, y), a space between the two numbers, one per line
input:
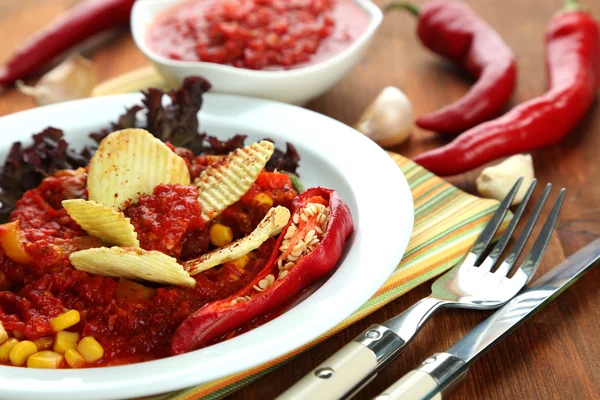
(470, 284)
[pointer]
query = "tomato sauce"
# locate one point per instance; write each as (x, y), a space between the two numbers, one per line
(163, 218)
(257, 34)
(132, 321)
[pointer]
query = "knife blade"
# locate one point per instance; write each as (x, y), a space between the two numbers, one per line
(441, 372)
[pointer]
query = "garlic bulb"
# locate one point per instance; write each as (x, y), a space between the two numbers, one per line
(496, 181)
(388, 120)
(72, 79)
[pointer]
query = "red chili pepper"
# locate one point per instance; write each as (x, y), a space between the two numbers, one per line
(80, 22)
(573, 64)
(222, 316)
(453, 30)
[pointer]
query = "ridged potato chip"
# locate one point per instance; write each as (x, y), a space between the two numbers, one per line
(131, 162)
(222, 185)
(132, 263)
(271, 225)
(107, 224)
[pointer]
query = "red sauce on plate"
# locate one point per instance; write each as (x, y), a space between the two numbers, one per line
(133, 322)
(257, 34)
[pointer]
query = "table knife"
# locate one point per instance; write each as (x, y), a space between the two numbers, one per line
(441, 372)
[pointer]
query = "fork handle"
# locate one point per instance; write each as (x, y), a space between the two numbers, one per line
(354, 365)
(350, 367)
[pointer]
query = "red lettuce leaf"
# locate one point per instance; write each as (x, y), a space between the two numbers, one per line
(25, 167)
(174, 121)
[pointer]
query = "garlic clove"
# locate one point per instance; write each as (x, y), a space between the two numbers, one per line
(496, 181)
(72, 79)
(389, 119)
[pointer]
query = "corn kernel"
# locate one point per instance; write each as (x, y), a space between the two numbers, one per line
(65, 341)
(220, 235)
(90, 349)
(74, 359)
(240, 263)
(263, 199)
(45, 359)
(6, 348)
(21, 352)
(64, 321)
(44, 343)
(3, 334)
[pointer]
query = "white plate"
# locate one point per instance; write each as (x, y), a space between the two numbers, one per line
(333, 155)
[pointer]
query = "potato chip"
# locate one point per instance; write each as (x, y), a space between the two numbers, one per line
(131, 162)
(104, 222)
(224, 184)
(271, 225)
(132, 263)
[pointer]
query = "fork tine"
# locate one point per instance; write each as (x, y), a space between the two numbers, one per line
(492, 258)
(517, 248)
(534, 257)
(486, 236)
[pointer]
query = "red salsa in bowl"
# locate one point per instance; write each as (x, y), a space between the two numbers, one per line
(257, 34)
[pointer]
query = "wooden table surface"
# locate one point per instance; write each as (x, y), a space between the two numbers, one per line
(556, 354)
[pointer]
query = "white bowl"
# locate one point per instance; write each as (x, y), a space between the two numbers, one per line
(383, 216)
(296, 86)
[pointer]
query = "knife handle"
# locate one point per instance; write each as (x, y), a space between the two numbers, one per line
(349, 368)
(416, 385)
(438, 374)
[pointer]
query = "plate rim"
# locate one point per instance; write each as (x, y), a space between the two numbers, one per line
(12, 378)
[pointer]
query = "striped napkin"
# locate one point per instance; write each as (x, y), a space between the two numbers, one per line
(447, 222)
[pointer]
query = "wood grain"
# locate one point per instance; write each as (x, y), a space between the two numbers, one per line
(554, 355)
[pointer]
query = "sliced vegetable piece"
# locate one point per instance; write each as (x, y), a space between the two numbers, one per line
(296, 182)
(104, 222)
(303, 235)
(131, 162)
(130, 290)
(271, 225)
(12, 242)
(132, 263)
(222, 185)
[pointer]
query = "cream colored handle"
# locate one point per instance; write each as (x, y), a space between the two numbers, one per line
(413, 386)
(336, 376)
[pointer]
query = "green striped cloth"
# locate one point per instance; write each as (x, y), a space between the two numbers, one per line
(447, 222)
